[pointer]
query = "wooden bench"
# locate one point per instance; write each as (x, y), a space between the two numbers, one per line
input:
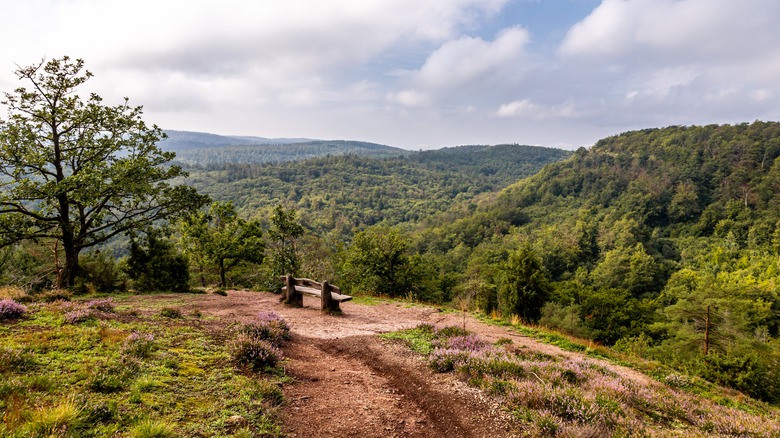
(330, 296)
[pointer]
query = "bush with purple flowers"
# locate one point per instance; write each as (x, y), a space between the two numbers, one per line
(268, 326)
(78, 316)
(139, 345)
(103, 305)
(254, 353)
(10, 309)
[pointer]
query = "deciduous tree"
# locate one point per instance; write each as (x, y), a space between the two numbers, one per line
(77, 171)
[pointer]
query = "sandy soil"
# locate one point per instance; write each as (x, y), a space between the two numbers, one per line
(350, 383)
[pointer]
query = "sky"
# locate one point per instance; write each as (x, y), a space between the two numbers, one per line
(415, 74)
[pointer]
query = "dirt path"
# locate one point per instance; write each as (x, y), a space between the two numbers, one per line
(350, 383)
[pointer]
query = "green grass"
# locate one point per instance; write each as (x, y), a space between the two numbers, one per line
(172, 378)
(419, 339)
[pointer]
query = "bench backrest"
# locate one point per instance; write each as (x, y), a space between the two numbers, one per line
(315, 284)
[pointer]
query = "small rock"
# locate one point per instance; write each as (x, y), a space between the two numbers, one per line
(236, 421)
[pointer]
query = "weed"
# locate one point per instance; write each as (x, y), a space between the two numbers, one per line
(170, 312)
(503, 341)
(269, 392)
(220, 292)
(153, 429)
(10, 309)
(244, 432)
(12, 292)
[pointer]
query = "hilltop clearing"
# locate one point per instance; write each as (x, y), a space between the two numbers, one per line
(349, 382)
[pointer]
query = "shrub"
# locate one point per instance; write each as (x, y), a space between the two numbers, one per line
(78, 316)
(104, 305)
(139, 345)
(450, 331)
(467, 343)
(155, 265)
(99, 272)
(170, 312)
(443, 360)
(255, 353)
(268, 326)
(10, 309)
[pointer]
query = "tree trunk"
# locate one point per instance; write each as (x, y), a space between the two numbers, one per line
(222, 282)
(71, 268)
(69, 271)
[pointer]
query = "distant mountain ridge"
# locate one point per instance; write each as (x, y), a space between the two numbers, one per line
(204, 149)
(187, 140)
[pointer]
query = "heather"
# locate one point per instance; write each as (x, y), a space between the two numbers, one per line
(10, 309)
(571, 395)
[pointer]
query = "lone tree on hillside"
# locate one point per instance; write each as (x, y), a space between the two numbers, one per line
(77, 171)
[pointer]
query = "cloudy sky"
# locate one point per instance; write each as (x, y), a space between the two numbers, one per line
(416, 74)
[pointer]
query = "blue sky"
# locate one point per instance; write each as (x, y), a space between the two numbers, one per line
(416, 74)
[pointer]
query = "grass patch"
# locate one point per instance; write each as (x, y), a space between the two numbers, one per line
(130, 375)
(419, 339)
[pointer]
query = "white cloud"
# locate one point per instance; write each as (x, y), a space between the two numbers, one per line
(680, 30)
(516, 108)
(466, 70)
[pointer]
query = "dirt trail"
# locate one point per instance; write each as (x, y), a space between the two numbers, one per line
(350, 383)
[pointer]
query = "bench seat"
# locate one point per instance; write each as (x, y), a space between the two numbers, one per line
(318, 293)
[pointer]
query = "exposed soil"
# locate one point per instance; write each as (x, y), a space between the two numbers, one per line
(350, 383)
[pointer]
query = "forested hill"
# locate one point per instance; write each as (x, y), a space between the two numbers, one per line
(340, 193)
(208, 150)
(663, 242)
(699, 181)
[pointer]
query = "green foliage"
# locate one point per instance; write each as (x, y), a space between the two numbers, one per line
(155, 265)
(223, 239)
(377, 262)
(99, 272)
(524, 287)
(283, 234)
(78, 171)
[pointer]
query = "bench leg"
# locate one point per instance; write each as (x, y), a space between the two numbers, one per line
(328, 304)
(293, 297)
